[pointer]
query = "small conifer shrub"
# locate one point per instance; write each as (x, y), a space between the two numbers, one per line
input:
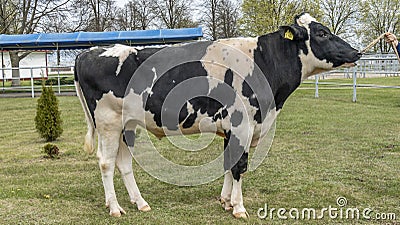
(51, 150)
(48, 116)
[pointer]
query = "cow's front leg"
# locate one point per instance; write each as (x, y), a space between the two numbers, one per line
(107, 154)
(237, 198)
(124, 164)
(235, 162)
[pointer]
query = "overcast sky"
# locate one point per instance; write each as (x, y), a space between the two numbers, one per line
(121, 2)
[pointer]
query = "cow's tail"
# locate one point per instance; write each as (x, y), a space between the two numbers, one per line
(89, 138)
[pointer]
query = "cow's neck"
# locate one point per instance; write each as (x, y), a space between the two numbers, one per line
(279, 60)
(310, 63)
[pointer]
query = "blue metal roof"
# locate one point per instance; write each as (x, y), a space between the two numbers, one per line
(53, 41)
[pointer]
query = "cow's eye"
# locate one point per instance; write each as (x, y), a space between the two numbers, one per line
(323, 34)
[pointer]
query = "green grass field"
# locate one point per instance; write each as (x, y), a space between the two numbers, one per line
(323, 149)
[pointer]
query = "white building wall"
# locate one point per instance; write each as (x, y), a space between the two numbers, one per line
(34, 59)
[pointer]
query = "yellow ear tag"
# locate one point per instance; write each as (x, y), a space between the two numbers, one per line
(289, 35)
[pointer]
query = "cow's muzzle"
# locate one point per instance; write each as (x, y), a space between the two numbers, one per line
(354, 56)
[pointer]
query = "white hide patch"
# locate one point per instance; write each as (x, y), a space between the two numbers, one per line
(261, 130)
(311, 64)
(108, 113)
(149, 89)
(121, 52)
(305, 20)
(236, 54)
(133, 109)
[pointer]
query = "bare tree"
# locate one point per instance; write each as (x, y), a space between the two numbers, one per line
(210, 18)
(103, 15)
(339, 15)
(25, 17)
(136, 14)
(175, 13)
(93, 15)
(8, 11)
(228, 15)
(220, 18)
(128, 17)
(80, 15)
(56, 23)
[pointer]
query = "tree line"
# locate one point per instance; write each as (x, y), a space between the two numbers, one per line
(357, 21)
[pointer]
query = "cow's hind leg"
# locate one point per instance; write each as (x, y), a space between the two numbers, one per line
(227, 186)
(124, 164)
(107, 154)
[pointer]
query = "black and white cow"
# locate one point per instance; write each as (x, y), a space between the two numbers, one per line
(285, 58)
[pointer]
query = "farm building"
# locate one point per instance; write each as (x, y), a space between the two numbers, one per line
(35, 60)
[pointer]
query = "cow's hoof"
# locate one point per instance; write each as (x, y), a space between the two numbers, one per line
(118, 212)
(227, 206)
(146, 208)
(115, 214)
(241, 215)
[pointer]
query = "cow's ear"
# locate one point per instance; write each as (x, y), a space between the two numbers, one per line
(294, 33)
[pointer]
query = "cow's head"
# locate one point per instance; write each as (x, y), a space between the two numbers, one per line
(323, 50)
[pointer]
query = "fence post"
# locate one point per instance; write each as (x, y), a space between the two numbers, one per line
(354, 84)
(58, 80)
(316, 86)
(2, 69)
(2, 73)
(32, 88)
(363, 68)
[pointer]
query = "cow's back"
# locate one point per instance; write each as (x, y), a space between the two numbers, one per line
(101, 70)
